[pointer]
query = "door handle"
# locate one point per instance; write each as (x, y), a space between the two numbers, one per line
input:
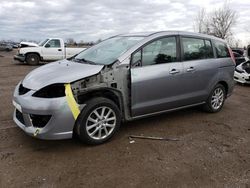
(59, 49)
(190, 69)
(174, 71)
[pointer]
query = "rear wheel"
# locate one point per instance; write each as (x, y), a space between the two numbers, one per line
(98, 121)
(32, 59)
(216, 99)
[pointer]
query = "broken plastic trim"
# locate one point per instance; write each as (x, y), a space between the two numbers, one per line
(39, 121)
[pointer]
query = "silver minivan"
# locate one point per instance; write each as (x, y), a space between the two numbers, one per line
(123, 78)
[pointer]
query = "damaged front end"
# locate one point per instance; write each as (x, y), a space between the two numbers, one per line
(242, 73)
(110, 82)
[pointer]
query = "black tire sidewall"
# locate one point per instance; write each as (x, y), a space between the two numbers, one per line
(90, 106)
(30, 62)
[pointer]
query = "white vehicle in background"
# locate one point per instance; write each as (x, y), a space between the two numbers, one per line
(242, 71)
(51, 49)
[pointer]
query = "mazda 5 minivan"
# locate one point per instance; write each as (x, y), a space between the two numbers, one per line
(123, 78)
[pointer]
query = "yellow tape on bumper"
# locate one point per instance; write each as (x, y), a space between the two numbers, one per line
(74, 107)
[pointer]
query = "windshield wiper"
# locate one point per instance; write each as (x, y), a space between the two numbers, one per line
(84, 60)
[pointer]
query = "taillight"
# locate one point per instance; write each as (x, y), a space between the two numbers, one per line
(231, 54)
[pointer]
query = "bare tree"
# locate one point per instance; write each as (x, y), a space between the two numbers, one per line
(234, 42)
(98, 41)
(222, 21)
(201, 21)
(218, 23)
(70, 41)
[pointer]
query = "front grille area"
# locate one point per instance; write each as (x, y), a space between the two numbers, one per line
(22, 90)
(39, 121)
(19, 116)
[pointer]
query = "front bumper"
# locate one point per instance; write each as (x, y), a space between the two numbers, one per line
(59, 126)
(19, 57)
(243, 78)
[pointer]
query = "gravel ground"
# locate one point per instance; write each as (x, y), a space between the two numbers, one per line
(213, 151)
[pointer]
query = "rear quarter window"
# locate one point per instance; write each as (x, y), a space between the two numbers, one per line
(221, 49)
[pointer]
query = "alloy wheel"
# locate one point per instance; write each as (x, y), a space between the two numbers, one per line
(101, 122)
(217, 98)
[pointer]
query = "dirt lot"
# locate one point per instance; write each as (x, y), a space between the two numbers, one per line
(213, 151)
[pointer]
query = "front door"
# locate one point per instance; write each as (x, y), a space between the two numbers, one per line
(52, 50)
(156, 78)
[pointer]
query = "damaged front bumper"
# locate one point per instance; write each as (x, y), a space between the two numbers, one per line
(242, 73)
(44, 118)
(242, 77)
(19, 57)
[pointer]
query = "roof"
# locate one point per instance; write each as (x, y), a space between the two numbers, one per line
(147, 34)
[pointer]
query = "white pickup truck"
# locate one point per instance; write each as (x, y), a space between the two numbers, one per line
(50, 49)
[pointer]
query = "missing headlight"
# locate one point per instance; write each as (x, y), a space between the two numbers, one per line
(23, 90)
(239, 70)
(51, 91)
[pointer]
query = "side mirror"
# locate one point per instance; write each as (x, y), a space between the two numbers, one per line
(47, 45)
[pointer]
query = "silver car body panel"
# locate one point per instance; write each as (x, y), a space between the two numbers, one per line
(140, 91)
(63, 71)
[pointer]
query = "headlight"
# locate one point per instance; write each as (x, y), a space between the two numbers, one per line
(238, 69)
(51, 91)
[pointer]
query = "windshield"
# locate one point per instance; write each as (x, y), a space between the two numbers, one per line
(108, 51)
(43, 42)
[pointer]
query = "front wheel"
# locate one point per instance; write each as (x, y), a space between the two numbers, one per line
(99, 121)
(32, 59)
(216, 99)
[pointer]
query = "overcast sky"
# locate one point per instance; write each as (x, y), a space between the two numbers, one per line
(94, 19)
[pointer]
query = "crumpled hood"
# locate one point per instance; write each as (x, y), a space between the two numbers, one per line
(63, 71)
(246, 66)
(29, 44)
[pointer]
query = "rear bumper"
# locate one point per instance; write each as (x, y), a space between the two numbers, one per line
(19, 57)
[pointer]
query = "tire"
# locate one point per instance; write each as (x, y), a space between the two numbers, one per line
(32, 59)
(216, 99)
(94, 130)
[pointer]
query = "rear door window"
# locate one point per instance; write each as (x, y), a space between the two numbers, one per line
(221, 49)
(194, 49)
(209, 49)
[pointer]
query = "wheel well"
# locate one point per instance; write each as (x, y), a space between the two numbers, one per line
(225, 85)
(114, 96)
(33, 53)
